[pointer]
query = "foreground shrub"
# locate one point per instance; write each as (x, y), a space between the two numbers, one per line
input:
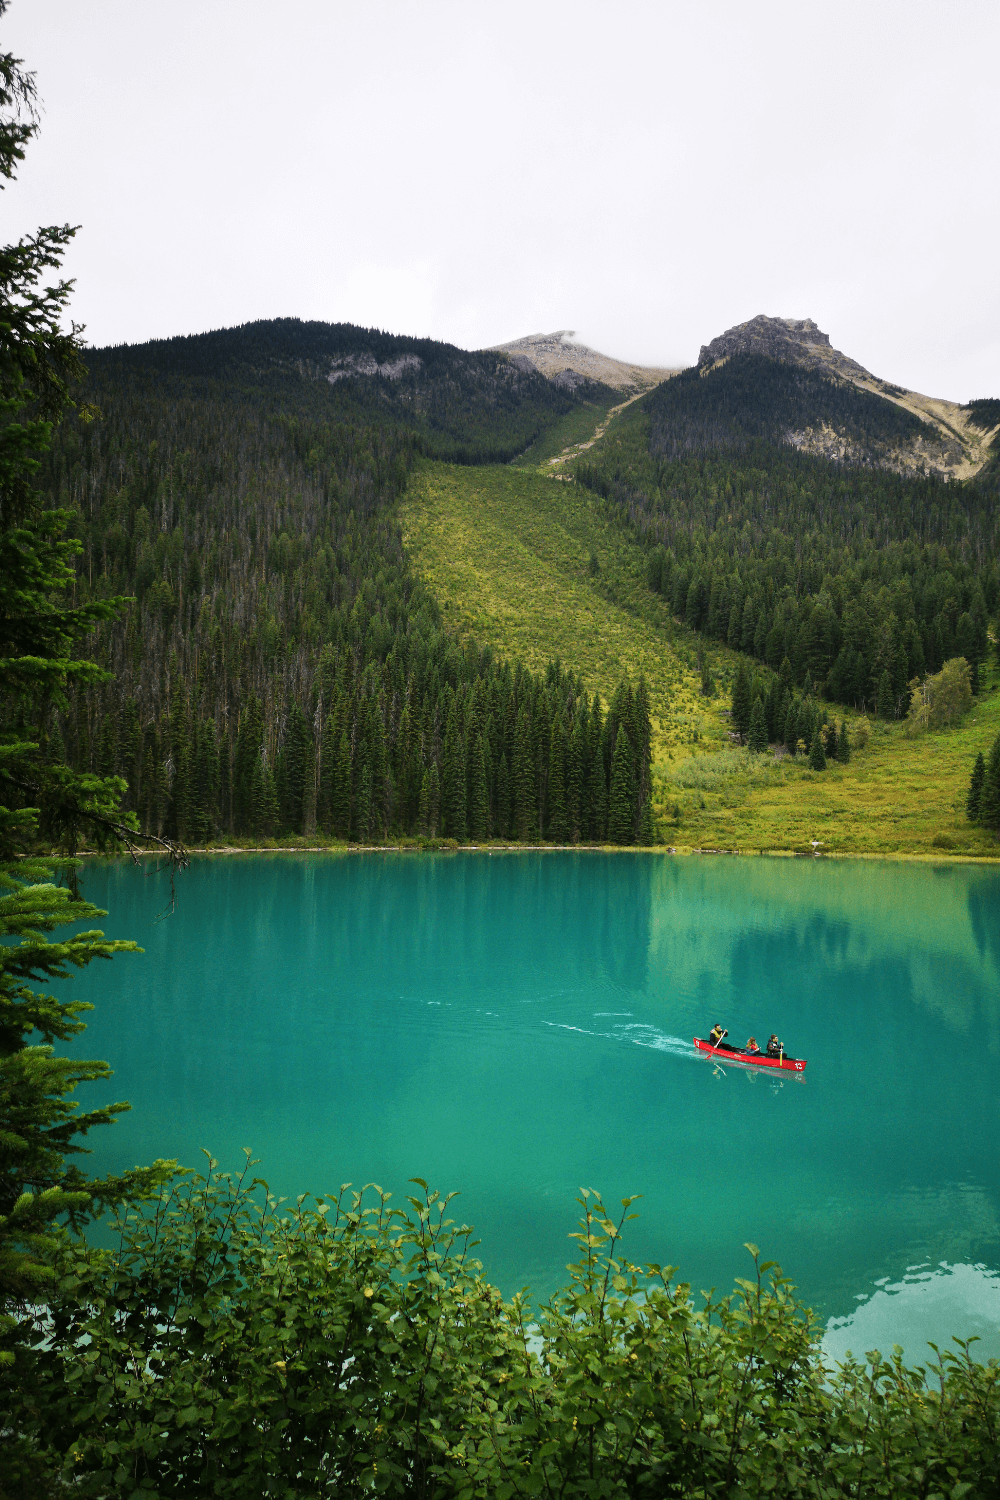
(228, 1347)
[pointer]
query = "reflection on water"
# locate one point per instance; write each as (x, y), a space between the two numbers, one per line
(926, 1305)
(518, 1026)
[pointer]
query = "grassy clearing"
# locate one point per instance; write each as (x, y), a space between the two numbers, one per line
(900, 795)
(508, 553)
(576, 427)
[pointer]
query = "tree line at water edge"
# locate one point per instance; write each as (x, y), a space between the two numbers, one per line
(448, 744)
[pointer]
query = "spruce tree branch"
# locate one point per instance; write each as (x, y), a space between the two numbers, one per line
(135, 840)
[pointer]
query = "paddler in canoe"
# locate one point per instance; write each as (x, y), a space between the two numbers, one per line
(774, 1054)
(716, 1035)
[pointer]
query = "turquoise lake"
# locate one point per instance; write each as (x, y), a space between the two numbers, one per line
(519, 1026)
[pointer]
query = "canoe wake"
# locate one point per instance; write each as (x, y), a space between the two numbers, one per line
(639, 1034)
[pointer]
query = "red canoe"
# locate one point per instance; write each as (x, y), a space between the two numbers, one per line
(758, 1059)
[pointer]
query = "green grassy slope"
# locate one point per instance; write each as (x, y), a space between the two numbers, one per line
(508, 554)
(900, 795)
(577, 426)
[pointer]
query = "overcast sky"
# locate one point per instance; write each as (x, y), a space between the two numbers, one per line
(645, 173)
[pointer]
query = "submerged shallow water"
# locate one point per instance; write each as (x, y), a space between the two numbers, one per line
(519, 1026)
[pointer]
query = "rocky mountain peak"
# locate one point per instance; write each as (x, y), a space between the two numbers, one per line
(796, 340)
(568, 363)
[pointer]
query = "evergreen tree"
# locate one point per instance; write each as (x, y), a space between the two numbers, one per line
(817, 755)
(558, 829)
(225, 783)
(885, 705)
(40, 798)
(453, 778)
(742, 705)
(541, 731)
(179, 773)
(575, 764)
(772, 711)
(989, 799)
(757, 735)
(364, 807)
(974, 798)
(642, 740)
(503, 798)
(597, 789)
(478, 801)
(82, 733)
(647, 827)
(249, 738)
(158, 784)
(295, 758)
(327, 774)
(843, 744)
(378, 767)
(433, 801)
(107, 749)
(202, 812)
(598, 800)
(524, 779)
(621, 800)
(423, 814)
(257, 809)
(407, 769)
(340, 790)
(271, 815)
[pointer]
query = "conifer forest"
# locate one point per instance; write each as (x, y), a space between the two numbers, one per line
(280, 670)
(861, 578)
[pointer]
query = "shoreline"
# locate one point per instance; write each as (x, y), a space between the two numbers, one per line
(679, 851)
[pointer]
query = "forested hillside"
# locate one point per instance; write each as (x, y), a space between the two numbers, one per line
(281, 670)
(861, 577)
(466, 407)
(752, 396)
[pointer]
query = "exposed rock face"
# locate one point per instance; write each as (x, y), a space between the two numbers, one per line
(569, 379)
(796, 340)
(559, 357)
(366, 364)
(952, 448)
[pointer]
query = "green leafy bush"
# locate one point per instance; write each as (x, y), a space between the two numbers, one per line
(230, 1347)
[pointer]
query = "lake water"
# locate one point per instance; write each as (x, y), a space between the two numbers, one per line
(518, 1026)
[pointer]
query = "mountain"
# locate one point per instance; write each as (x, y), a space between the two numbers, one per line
(568, 364)
(464, 406)
(794, 513)
(279, 667)
(284, 668)
(950, 441)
